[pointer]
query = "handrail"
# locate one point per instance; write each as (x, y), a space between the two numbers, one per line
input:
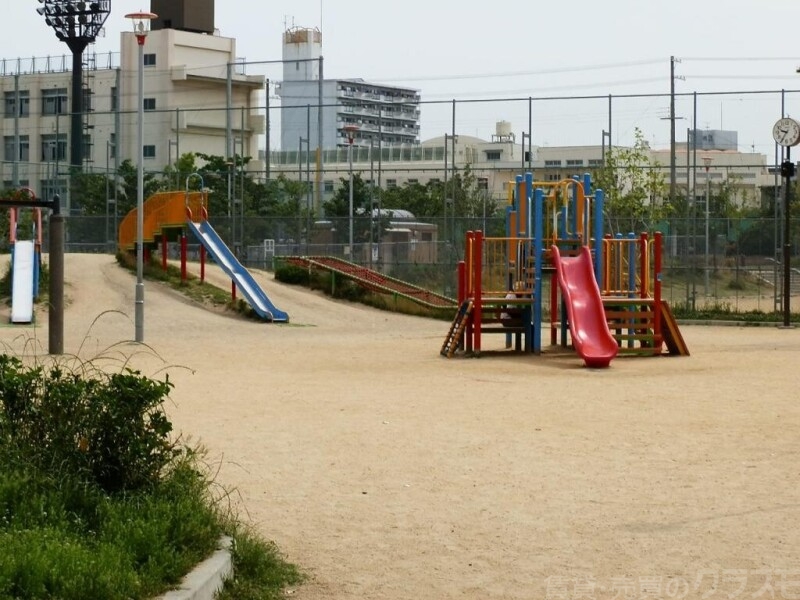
(164, 210)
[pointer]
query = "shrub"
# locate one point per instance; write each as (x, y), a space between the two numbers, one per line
(107, 429)
(292, 274)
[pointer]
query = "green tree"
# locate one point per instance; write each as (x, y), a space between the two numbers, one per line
(634, 188)
(338, 209)
(128, 176)
(90, 190)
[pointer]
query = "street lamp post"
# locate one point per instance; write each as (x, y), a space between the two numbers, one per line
(707, 162)
(350, 130)
(141, 25)
(108, 194)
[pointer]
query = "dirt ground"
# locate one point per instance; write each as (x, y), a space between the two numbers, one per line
(388, 472)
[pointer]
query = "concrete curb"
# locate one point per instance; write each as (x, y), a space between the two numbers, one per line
(713, 323)
(207, 578)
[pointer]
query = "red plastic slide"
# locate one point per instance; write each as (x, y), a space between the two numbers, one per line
(587, 320)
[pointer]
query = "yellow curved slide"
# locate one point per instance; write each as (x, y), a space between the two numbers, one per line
(164, 210)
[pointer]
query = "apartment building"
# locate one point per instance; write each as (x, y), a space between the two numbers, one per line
(369, 113)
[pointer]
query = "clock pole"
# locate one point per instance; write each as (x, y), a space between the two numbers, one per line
(787, 170)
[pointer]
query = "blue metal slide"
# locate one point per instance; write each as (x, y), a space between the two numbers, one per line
(234, 269)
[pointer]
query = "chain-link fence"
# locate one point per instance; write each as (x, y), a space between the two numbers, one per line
(740, 269)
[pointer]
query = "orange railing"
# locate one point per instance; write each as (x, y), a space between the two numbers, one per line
(164, 210)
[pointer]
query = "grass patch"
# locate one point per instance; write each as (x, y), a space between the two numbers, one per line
(99, 499)
(201, 292)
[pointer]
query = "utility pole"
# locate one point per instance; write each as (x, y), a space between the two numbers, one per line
(672, 61)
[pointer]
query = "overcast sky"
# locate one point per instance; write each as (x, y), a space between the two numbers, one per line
(515, 49)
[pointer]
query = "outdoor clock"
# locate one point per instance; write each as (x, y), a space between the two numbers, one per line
(786, 132)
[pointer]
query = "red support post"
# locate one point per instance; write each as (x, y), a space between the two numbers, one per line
(553, 309)
(163, 252)
(233, 291)
(202, 263)
(461, 270)
(469, 277)
(644, 266)
(657, 258)
(478, 307)
(462, 291)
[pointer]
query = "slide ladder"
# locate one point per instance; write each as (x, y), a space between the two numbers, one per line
(457, 327)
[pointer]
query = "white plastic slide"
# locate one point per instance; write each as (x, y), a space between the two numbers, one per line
(22, 282)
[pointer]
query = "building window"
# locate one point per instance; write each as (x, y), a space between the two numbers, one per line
(483, 183)
(114, 99)
(9, 185)
(54, 147)
(112, 145)
(553, 177)
(54, 101)
(413, 181)
(575, 162)
(149, 104)
(595, 162)
(87, 147)
(493, 155)
(50, 187)
(149, 151)
(23, 154)
(552, 163)
(149, 60)
(11, 104)
(391, 184)
(328, 185)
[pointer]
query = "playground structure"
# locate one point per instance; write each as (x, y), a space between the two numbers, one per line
(167, 216)
(26, 260)
(610, 300)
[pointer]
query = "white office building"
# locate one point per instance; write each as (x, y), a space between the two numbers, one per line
(190, 77)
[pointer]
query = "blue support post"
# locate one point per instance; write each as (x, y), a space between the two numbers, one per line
(519, 198)
(538, 201)
(599, 200)
(573, 208)
(528, 202)
(632, 265)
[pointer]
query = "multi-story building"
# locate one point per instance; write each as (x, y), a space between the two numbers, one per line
(194, 99)
(496, 162)
(372, 114)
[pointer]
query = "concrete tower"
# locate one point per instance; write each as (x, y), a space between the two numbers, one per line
(301, 51)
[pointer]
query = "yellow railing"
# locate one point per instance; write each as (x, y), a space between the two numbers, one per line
(628, 267)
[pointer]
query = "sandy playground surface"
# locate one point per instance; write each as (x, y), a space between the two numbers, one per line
(386, 471)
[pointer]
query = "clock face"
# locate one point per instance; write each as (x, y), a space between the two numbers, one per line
(786, 132)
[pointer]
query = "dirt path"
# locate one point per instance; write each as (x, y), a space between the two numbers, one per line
(388, 472)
